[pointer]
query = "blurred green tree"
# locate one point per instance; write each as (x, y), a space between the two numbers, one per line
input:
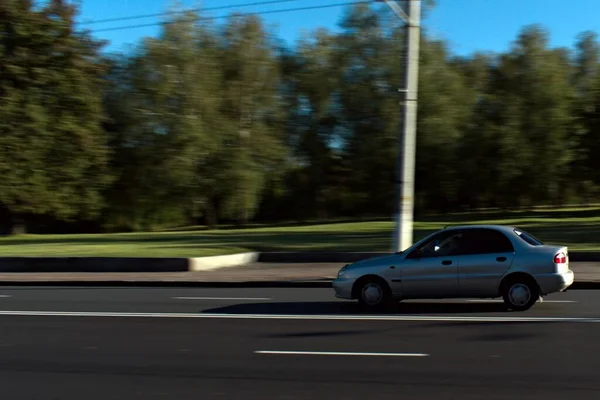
(54, 154)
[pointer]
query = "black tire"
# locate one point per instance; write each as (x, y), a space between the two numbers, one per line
(374, 294)
(520, 293)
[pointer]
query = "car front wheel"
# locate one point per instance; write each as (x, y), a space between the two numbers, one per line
(520, 294)
(374, 294)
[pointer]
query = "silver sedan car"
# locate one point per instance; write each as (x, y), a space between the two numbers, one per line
(472, 261)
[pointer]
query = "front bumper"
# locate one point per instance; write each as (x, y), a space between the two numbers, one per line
(558, 282)
(343, 288)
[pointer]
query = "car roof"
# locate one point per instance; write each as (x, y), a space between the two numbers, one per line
(502, 228)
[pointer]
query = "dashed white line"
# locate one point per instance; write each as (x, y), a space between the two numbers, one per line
(500, 301)
(5, 295)
(339, 353)
(225, 298)
(307, 317)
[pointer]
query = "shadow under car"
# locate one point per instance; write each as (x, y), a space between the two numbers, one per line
(347, 307)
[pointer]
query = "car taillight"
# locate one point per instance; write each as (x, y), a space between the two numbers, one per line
(560, 258)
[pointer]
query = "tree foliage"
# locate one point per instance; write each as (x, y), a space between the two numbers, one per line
(54, 155)
(222, 122)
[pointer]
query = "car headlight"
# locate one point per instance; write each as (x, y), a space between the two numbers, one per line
(342, 271)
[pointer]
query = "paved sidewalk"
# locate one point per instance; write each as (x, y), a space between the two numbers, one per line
(257, 272)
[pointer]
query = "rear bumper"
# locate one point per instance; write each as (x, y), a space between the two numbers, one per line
(343, 288)
(551, 283)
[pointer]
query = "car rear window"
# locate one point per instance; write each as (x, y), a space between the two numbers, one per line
(529, 238)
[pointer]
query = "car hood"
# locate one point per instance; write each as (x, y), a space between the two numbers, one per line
(374, 261)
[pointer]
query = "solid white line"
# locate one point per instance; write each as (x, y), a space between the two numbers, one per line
(404, 318)
(341, 353)
(224, 298)
(500, 301)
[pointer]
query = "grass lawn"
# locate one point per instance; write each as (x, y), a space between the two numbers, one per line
(577, 228)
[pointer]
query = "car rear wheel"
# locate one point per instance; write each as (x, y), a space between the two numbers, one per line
(374, 294)
(520, 294)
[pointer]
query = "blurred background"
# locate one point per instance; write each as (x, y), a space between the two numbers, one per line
(146, 115)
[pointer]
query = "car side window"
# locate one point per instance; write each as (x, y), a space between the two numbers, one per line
(485, 241)
(469, 243)
(444, 244)
(499, 242)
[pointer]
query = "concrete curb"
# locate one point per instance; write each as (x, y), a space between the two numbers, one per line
(123, 264)
(149, 264)
(216, 262)
(92, 264)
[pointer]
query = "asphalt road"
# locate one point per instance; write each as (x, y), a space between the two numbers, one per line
(151, 343)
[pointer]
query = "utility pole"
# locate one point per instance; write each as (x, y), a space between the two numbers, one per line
(405, 178)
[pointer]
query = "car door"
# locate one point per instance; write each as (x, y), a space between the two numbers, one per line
(431, 271)
(484, 257)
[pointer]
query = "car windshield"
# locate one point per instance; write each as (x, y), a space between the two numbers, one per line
(529, 238)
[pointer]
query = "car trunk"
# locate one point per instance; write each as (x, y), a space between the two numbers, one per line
(558, 255)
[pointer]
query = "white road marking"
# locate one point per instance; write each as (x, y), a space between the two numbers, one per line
(340, 353)
(500, 301)
(5, 295)
(403, 318)
(225, 298)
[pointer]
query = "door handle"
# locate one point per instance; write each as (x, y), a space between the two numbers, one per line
(447, 262)
(500, 259)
